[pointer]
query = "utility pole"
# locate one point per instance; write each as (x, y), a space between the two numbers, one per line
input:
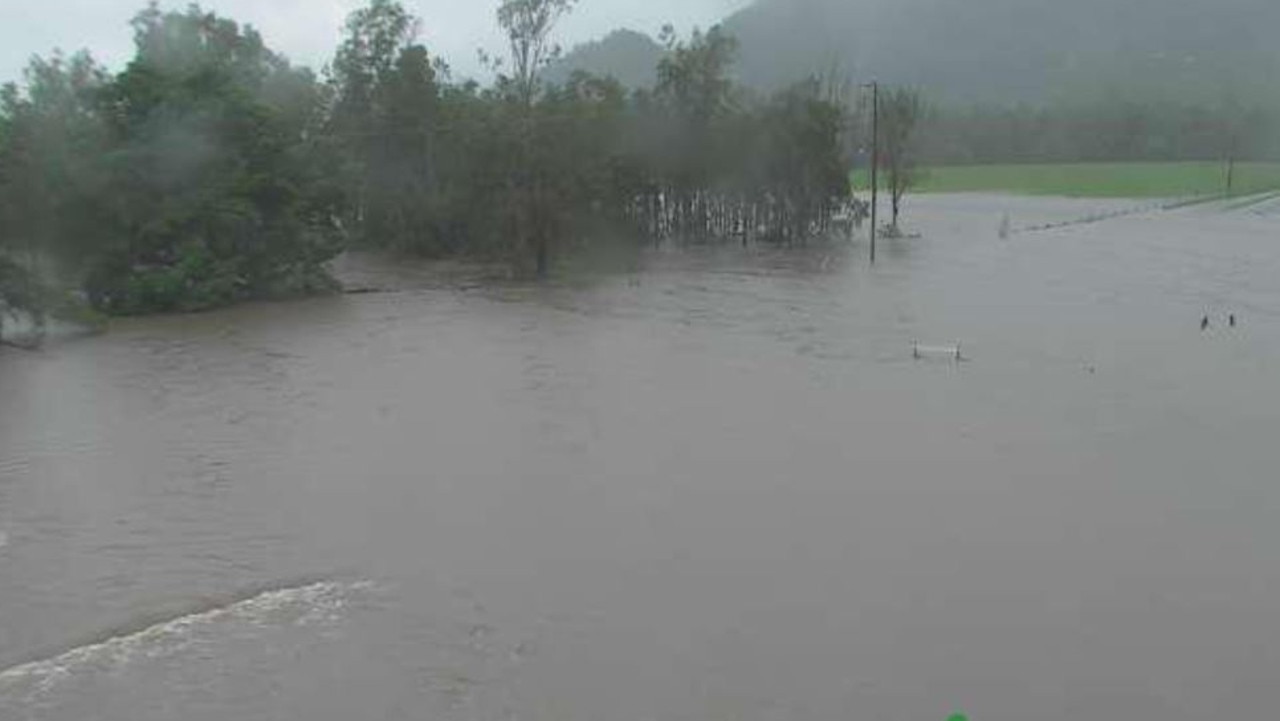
(1231, 166)
(1232, 140)
(875, 162)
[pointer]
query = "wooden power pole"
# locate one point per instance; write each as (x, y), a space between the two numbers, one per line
(875, 162)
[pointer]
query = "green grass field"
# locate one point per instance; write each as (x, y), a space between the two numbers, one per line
(1100, 180)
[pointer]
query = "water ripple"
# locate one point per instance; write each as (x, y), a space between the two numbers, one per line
(315, 603)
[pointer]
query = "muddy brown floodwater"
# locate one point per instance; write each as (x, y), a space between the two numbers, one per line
(721, 488)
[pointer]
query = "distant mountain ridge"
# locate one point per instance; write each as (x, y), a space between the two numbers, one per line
(992, 50)
(628, 56)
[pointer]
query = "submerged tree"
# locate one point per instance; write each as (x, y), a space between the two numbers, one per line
(51, 139)
(901, 112)
(721, 164)
(185, 182)
(210, 171)
(807, 157)
(528, 25)
(13, 277)
(695, 108)
(383, 125)
(55, 136)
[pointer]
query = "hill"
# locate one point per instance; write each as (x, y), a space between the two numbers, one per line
(626, 55)
(994, 50)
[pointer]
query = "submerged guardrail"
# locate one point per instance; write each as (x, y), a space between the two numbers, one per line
(920, 351)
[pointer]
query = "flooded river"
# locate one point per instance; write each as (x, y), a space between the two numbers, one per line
(721, 488)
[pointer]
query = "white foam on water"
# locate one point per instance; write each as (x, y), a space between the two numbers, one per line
(321, 602)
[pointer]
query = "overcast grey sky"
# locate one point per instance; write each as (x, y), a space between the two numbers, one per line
(308, 30)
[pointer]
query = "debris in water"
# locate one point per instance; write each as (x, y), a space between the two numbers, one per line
(1204, 323)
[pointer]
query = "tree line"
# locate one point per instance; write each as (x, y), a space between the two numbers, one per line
(1110, 129)
(211, 170)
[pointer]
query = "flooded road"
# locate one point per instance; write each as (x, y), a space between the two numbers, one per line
(719, 489)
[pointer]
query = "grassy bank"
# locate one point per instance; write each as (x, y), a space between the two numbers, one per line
(1101, 180)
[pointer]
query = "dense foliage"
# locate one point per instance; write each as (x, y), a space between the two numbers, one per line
(211, 170)
(187, 181)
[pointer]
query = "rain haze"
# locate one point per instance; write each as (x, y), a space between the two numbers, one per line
(810, 360)
(306, 31)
